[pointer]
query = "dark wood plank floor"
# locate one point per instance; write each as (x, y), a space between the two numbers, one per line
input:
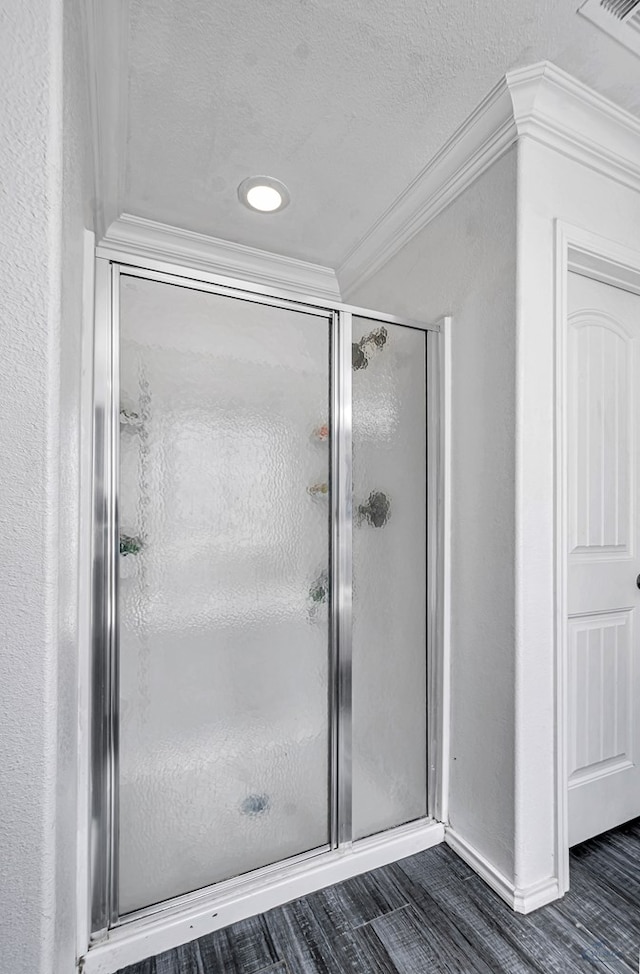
(430, 913)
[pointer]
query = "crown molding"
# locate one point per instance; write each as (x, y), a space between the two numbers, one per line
(481, 140)
(540, 102)
(106, 42)
(555, 109)
(135, 237)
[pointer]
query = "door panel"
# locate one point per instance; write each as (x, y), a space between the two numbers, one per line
(603, 556)
(224, 581)
(600, 654)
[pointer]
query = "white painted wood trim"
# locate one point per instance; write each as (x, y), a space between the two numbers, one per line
(477, 144)
(131, 236)
(144, 938)
(521, 900)
(444, 755)
(600, 258)
(557, 110)
(561, 706)
(591, 255)
(438, 497)
(541, 102)
(480, 865)
(530, 898)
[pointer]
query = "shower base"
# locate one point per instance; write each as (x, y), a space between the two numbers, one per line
(212, 909)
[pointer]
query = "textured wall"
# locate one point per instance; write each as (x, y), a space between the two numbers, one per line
(464, 263)
(76, 214)
(39, 375)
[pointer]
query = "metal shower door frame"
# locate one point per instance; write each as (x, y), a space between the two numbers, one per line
(104, 677)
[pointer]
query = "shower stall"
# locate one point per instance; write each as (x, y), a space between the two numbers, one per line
(263, 595)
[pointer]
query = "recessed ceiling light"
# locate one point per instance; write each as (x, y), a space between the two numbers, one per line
(263, 193)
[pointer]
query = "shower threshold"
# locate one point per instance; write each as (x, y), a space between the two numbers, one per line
(188, 917)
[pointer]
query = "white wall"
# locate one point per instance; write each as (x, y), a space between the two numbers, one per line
(503, 771)
(464, 263)
(550, 187)
(41, 243)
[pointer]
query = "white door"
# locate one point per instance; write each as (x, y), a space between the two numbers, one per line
(603, 433)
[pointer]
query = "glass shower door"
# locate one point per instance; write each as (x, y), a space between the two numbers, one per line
(224, 637)
(389, 575)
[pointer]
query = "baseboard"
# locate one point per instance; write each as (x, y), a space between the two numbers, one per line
(135, 941)
(530, 898)
(520, 899)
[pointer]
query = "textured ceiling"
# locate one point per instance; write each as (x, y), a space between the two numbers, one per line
(344, 100)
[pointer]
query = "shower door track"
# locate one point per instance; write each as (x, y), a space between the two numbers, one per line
(105, 924)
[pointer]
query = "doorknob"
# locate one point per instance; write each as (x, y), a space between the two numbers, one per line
(638, 581)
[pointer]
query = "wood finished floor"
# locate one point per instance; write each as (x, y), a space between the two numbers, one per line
(431, 913)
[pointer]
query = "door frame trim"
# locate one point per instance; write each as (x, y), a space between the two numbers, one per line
(341, 600)
(582, 252)
(439, 567)
(150, 267)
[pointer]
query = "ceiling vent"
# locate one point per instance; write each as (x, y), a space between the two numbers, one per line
(619, 19)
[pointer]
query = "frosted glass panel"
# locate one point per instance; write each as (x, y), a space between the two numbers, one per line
(389, 576)
(224, 571)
